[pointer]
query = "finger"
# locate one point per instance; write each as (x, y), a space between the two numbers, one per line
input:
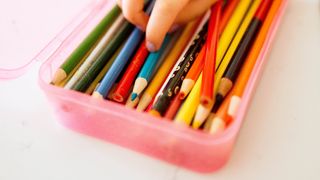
(133, 12)
(162, 17)
(194, 10)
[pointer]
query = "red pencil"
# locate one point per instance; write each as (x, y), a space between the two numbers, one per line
(174, 107)
(207, 94)
(123, 89)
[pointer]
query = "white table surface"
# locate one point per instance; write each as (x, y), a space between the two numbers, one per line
(279, 139)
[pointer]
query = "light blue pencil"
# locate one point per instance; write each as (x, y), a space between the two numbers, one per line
(118, 65)
(147, 72)
(147, 69)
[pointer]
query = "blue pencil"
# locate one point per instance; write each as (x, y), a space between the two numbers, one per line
(148, 68)
(118, 65)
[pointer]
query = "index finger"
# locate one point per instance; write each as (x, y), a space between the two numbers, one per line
(162, 17)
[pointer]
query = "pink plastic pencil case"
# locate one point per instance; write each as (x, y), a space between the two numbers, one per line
(138, 131)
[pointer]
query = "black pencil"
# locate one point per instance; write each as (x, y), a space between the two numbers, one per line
(173, 86)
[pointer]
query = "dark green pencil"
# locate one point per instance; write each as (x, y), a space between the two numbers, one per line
(85, 46)
(87, 78)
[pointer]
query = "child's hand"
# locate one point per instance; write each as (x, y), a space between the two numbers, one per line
(166, 16)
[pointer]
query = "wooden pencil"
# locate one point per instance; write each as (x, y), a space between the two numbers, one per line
(242, 51)
(173, 108)
(172, 87)
(84, 82)
(99, 77)
(207, 94)
(148, 69)
(227, 12)
(193, 74)
(189, 107)
(123, 89)
(167, 65)
(124, 56)
(202, 111)
(78, 54)
(97, 50)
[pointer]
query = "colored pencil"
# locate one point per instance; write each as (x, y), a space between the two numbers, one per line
(163, 71)
(207, 94)
(118, 65)
(227, 12)
(76, 56)
(132, 103)
(189, 107)
(123, 89)
(193, 74)
(172, 87)
(196, 68)
(99, 77)
(174, 107)
(202, 111)
(242, 51)
(124, 56)
(94, 54)
(235, 21)
(148, 69)
(84, 82)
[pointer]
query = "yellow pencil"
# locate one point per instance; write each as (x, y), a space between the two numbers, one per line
(189, 107)
(203, 112)
(166, 67)
(94, 84)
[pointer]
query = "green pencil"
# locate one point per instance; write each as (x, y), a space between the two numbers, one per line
(79, 53)
(88, 77)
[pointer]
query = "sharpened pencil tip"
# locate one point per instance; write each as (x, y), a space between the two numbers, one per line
(134, 96)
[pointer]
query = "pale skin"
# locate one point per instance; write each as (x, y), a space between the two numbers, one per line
(167, 15)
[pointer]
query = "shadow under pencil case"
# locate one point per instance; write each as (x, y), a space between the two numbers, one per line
(141, 132)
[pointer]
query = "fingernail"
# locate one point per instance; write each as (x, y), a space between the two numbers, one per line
(151, 46)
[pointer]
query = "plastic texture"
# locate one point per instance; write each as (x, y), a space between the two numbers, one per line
(114, 123)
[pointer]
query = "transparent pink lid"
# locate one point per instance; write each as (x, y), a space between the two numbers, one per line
(27, 26)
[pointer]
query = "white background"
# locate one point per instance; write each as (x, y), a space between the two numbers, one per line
(280, 138)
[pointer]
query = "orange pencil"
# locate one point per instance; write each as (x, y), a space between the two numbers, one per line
(193, 74)
(207, 94)
(229, 107)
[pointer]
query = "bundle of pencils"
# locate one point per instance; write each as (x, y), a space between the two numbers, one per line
(196, 78)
